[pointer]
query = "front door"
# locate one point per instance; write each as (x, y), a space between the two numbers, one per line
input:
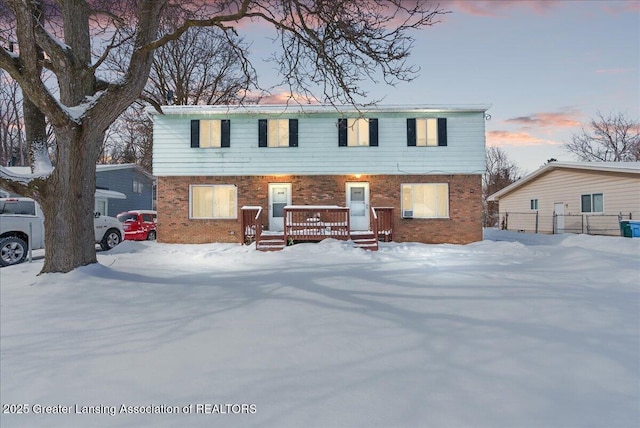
(279, 197)
(558, 210)
(358, 203)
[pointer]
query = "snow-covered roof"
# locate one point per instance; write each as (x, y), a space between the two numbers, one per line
(118, 166)
(623, 167)
(110, 194)
(295, 108)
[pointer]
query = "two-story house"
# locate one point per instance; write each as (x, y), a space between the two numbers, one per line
(131, 180)
(422, 164)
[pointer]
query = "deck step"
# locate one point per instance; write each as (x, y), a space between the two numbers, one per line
(272, 243)
(365, 241)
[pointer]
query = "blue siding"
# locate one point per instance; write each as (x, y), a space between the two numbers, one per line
(121, 180)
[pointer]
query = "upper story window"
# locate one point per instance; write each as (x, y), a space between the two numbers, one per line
(214, 133)
(427, 132)
(593, 203)
(425, 200)
(358, 132)
(137, 186)
(278, 133)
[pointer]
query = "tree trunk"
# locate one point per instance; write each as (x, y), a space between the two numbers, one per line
(35, 131)
(68, 202)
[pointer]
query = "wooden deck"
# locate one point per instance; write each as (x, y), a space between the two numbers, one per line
(313, 223)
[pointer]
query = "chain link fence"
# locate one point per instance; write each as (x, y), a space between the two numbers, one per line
(592, 224)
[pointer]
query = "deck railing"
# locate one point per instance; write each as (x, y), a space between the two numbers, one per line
(374, 225)
(384, 223)
(313, 223)
(251, 224)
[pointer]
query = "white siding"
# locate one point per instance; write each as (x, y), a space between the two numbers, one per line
(620, 192)
(318, 151)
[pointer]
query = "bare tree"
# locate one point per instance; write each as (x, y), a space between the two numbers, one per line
(129, 139)
(329, 48)
(500, 172)
(13, 149)
(607, 138)
(13, 132)
(202, 67)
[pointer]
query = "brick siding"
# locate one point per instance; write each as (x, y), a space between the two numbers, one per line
(463, 226)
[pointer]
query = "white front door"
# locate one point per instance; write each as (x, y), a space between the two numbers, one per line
(558, 210)
(279, 197)
(358, 203)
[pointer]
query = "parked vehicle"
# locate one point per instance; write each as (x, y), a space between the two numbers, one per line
(22, 223)
(139, 225)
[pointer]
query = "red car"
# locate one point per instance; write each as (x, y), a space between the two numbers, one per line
(139, 225)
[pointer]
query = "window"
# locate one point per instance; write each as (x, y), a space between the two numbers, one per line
(137, 186)
(533, 204)
(427, 132)
(358, 132)
(210, 133)
(15, 206)
(278, 133)
(212, 201)
(425, 200)
(593, 203)
(149, 218)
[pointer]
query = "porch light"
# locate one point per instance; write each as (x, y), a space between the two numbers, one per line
(357, 175)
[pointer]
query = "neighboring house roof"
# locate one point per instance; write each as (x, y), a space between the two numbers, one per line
(25, 170)
(620, 167)
(294, 108)
(110, 194)
(118, 166)
(102, 167)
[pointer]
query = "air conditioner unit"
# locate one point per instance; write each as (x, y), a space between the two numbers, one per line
(407, 214)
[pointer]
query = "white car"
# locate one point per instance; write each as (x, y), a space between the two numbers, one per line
(22, 222)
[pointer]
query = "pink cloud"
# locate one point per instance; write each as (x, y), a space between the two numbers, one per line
(515, 139)
(493, 8)
(566, 119)
(625, 7)
(282, 97)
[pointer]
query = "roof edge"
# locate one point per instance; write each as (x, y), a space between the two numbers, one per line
(317, 108)
(622, 167)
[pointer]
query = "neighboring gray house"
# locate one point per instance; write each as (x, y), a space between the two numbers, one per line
(102, 195)
(129, 179)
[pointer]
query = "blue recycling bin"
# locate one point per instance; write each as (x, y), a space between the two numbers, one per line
(630, 228)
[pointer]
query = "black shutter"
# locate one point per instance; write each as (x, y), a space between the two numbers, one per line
(225, 137)
(373, 132)
(442, 131)
(262, 133)
(293, 132)
(342, 132)
(195, 133)
(411, 132)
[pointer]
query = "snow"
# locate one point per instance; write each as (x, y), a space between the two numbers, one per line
(23, 176)
(518, 330)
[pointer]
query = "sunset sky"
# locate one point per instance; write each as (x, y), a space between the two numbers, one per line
(546, 67)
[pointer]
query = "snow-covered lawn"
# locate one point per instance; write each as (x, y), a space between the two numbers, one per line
(515, 331)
